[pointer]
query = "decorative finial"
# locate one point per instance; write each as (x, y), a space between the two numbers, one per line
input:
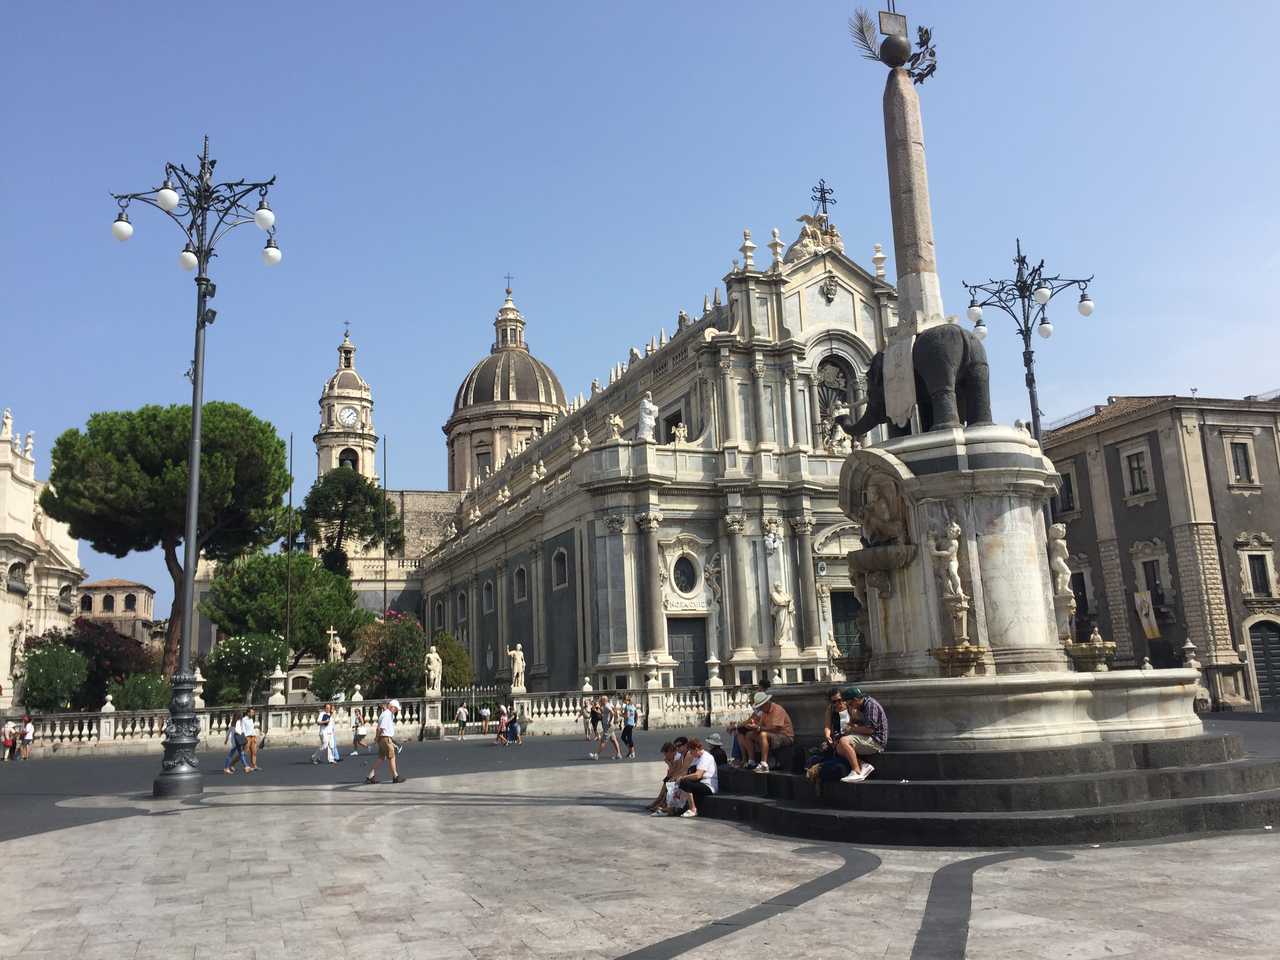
(509, 278)
(878, 258)
(775, 247)
(823, 195)
(706, 304)
(716, 300)
(747, 249)
(895, 51)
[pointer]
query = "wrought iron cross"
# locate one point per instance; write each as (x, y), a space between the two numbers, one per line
(823, 196)
(509, 279)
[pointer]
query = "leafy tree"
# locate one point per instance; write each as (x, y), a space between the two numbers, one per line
(346, 509)
(458, 671)
(394, 653)
(110, 656)
(121, 484)
(54, 672)
(334, 678)
(239, 666)
(248, 596)
(140, 691)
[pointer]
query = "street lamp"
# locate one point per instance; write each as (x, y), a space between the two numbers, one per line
(1026, 299)
(205, 212)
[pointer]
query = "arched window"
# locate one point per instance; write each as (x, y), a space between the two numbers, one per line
(439, 614)
(521, 584)
(349, 458)
(300, 683)
(18, 577)
(109, 603)
(65, 602)
(86, 604)
(462, 605)
(560, 569)
(131, 602)
(836, 385)
(487, 596)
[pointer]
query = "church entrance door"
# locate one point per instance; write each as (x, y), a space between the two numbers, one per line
(1264, 638)
(687, 642)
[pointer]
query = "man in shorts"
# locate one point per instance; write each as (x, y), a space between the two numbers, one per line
(867, 734)
(768, 731)
(386, 743)
(460, 718)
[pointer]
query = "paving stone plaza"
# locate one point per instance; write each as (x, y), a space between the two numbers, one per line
(492, 853)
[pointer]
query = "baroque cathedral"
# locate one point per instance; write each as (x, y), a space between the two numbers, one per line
(679, 520)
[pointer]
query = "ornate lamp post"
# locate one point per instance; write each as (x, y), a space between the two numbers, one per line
(205, 212)
(1025, 298)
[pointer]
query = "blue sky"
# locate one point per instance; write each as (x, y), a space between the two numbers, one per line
(609, 156)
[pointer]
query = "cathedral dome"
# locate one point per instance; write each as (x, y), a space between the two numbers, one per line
(510, 374)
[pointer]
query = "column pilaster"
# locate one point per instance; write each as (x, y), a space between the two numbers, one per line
(798, 431)
(655, 634)
(743, 648)
(535, 600)
(811, 634)
(757, 393)
(730, 395)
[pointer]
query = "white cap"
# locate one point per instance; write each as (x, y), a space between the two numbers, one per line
(394, 704)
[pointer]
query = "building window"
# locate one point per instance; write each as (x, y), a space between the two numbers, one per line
(746, 678)
(1136, 466)
(299, 684)
(350, 459)
(1136, 473)
(1259, 575)
(1151, 577)
(486, 595)
(17, 579)
(521, 587)
(684, 575)
(835, 379)
(86, 604)
(109, 604)
(560, 569)
(131, 603)
(669, 426)
(1066, 493)
(439, 614)
(844, 622)
(484, 462)
(1241, 466)
(1151, 571)
(462, 606)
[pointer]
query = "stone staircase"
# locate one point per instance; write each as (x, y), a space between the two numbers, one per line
(1090, 793)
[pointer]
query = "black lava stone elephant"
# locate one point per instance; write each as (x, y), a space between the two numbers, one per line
(952, 385)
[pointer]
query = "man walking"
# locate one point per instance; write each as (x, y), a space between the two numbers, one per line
(460, 718)
(386, 743)
(328, 748)
(250, 725)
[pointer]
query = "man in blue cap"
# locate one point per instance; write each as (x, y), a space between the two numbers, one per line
(866, 734)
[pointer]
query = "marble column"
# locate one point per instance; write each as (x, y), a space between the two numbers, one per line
(655, 633)
(740, 621)
(730, 400)
(815, 415)
(757, 393)
(797, 421)
(500, 600)
(811, 635)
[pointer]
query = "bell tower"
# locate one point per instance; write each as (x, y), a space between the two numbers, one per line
(346, 436)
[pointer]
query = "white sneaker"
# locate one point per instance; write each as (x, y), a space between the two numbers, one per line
(856, 777)
(867, 770)
(762, 768)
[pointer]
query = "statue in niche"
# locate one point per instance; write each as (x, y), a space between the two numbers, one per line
(435, 671)
(883, 520)
(614, 423)
(780, 603)
(838, 443)
(517, 667)
(1058, 559)
(947, 550)
(680, 433)
(648, 417)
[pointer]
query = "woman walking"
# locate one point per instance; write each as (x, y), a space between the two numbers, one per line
(28, 736)
(358, 732)
(595, 715)
(328, 747)
(608, 714)
(249, 728)
(629, 715)
(236, 738)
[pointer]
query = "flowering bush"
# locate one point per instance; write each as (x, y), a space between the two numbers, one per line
(140, 691)
(239, 666)
(54, 672)
(394, 652)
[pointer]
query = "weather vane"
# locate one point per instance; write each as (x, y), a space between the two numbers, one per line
(895, 51)
(823, 195)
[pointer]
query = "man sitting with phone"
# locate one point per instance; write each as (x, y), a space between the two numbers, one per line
(768, 730)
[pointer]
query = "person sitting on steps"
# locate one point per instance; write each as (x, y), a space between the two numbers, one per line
(767, 731)
(868, 734)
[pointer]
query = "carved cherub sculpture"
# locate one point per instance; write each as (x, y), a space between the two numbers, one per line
(615, 426)
(1058, 559)
(947, 550)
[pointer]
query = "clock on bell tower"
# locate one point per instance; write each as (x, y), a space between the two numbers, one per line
(346, 437)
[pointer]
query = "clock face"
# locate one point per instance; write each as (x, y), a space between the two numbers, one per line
(347, 416)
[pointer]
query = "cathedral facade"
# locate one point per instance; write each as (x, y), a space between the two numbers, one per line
(680, 520)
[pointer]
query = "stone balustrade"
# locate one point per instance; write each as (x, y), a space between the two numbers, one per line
(543, 713)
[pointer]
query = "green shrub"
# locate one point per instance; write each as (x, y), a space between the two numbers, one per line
(329, 680)
(239, 667)
(394, 652)
(458, 671)
(140, 691)
(54, 672)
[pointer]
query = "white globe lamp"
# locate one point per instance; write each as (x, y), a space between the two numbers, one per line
(122, 229)
(974, 312)
(1045, 329)
(264, 216)
(1042, 294)
(167, 197)
(980, 329)
(271, 254)
(1085, 306)
(187, 258)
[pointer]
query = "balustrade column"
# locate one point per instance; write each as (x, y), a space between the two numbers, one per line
(655, 634)
(803, 527)
(739, 625)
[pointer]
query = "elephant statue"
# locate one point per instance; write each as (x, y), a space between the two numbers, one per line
(952, 386)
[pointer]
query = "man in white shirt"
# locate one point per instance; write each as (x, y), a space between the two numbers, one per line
(328, 736)
(461, 718)
(386, 743)
(703, 780)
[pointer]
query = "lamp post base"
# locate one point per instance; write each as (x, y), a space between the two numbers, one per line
(180, 776)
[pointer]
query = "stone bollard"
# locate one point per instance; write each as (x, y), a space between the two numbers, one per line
(432, 723)
(586, 685)
(357, 696)
(107, 722)
(197, 693)
(277, 716)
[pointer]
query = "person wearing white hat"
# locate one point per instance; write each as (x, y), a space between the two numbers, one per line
(386, 743)
(769, 729)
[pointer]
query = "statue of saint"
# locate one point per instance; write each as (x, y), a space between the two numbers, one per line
(434, 671)
(648, 417)
(780, 602)
(517, 667)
